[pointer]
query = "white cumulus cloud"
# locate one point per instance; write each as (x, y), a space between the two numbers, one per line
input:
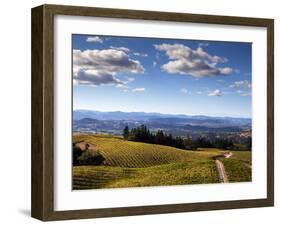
(244, 87)
(122, 86)
(187, 61)
(94, 39)
(244, 84)
(121, 48)
(98, 67)
(215, 93)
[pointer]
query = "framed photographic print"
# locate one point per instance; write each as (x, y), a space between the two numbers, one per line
(141, 112)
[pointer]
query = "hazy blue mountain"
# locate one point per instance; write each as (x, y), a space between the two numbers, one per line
(157, 117)
(115, 122)
(114, 115)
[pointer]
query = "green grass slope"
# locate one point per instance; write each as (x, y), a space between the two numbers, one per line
(238, 167)
(134, 164)
(244, 156)
(122, 153)
(237, 171)
(198, 172)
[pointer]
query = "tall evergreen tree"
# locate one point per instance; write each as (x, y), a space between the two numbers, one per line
(126, 132)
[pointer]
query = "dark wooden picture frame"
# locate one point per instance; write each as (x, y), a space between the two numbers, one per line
(42, 203)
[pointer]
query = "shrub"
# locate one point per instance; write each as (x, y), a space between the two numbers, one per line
(76, 153)
(90, 157)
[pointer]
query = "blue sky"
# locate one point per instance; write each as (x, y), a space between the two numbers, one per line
(192, 77)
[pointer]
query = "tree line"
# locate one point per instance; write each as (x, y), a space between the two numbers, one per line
(204, 142)
(143, 134)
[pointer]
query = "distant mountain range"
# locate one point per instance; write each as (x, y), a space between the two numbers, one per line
(114, 122)
(119, 115)
(143, 116)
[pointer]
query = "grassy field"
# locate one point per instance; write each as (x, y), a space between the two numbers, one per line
(237, 171)
(134, 164)
(123, 153)
(87, 177)
(244, 156)
(238, 167)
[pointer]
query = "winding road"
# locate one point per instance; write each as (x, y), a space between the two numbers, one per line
(221, 170)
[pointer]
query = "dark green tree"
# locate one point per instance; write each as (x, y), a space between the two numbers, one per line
(126, 133)
(249, 143)
(143, 134)
(76, 153)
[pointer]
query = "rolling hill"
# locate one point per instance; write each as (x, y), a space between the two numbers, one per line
(134, 164)
(123, 153)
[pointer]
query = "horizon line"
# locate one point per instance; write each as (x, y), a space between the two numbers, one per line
(244, 117)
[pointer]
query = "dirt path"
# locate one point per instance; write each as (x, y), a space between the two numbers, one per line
(228, 155)
(221, 170)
